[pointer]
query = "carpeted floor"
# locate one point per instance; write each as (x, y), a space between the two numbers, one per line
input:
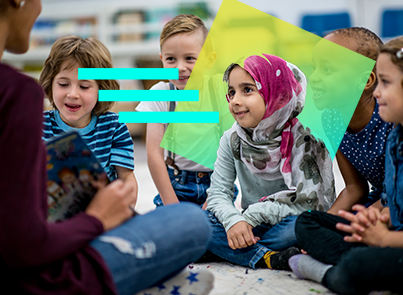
(237, 280)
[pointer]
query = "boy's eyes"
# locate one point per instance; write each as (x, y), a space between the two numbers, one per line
(189, 58)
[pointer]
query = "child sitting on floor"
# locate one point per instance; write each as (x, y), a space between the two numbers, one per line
(371, 258)
(361, 154)
(177, 178)
(76, 105)
(282, 169)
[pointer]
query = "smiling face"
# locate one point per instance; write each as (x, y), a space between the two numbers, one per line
(329, 73)
(246, 104)
(75, 99)
(181, 51)
(389, 91)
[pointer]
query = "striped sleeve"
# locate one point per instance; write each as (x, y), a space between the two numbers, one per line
(119, 141)
(50, 128)
(122, 152)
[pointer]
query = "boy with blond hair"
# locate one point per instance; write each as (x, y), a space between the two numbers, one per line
(176, 178)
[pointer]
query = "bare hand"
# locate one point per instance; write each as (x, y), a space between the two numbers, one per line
(368, 226)
(110, 204)
(240, 235)
(367, 215)
(374, 235)
(127, 175)
(362, 219)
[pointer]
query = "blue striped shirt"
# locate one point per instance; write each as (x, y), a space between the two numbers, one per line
(109, 140)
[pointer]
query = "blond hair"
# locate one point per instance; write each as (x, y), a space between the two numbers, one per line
(183, 24)
(88, 53)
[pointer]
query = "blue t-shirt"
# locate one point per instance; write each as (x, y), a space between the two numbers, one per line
(108, 139)
(366, 150)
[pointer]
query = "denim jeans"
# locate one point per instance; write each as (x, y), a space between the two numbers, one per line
(278, 237)
(190, 186)
(151, 248)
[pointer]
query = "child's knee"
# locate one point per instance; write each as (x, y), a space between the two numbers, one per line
(304, 219)
(197, 218)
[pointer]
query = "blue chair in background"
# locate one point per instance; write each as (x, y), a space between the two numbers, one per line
(392, 23)
(325, 23)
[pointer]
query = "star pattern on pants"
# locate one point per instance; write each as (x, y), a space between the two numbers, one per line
(175, 290)
(192, 278)
(160, 287)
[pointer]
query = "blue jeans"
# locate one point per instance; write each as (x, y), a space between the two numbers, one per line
(151, 248)
(278, 237)
(190, 186)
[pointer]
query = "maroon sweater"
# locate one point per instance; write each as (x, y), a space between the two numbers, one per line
(35, 256)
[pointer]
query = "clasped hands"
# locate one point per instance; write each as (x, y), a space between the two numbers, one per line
(368, 225)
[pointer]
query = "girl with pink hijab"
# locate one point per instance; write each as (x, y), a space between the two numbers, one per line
(282, 168)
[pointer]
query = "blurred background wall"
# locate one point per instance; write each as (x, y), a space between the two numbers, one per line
(130, 28)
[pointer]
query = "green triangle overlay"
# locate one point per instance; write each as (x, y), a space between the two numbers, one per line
(239, 31)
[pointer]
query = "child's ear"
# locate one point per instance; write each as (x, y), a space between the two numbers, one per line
(211, 60)
(371, 80)
(160, 56)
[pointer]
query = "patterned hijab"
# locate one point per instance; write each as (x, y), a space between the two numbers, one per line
(279, 146)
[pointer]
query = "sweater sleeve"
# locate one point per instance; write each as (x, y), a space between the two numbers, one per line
(221, 191)
(272, 212)
(26, 238)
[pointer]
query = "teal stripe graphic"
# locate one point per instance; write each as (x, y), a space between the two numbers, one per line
(168, 117)
(148, 95)
(127, 74)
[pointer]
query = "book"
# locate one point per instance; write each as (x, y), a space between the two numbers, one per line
(72, 167)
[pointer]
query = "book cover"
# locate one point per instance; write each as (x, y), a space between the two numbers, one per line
(72, 167)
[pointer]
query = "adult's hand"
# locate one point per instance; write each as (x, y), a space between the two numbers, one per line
(110, 204)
